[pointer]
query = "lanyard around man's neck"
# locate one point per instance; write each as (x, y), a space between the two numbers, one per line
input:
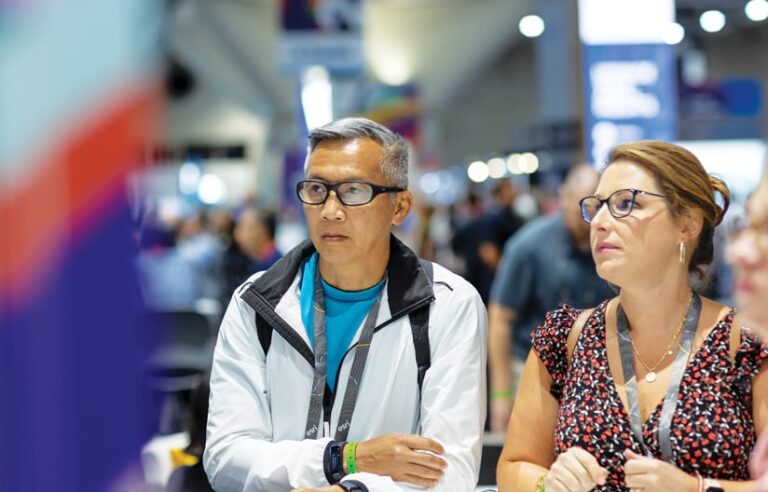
(321, 363)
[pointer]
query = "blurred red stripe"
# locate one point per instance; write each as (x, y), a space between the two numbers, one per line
(71, 189)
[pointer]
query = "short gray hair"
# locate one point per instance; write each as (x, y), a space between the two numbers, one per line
(394, 163)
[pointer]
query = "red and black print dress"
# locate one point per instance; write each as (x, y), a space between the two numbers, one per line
(712, 428)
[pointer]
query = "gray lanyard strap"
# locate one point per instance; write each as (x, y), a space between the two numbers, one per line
(678, 368)
(355, 375)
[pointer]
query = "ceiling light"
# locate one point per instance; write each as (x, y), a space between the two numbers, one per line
(529, 163)
(497, 167)
(531, 26)
(756, 10)
(673, 33)
(478, 171)
(712, 21)
(211, 189)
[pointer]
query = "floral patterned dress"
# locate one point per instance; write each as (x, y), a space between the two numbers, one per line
(712, 428)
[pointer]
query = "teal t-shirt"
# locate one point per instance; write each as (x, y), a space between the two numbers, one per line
(344, 312)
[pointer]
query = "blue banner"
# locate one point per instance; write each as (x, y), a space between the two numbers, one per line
(630, 94)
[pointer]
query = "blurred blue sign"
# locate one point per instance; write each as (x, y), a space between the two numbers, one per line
(630, 94)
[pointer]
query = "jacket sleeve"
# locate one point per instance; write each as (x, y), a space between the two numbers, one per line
(453, 401)
(239, 454)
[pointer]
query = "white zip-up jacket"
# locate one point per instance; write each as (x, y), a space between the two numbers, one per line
(258, 405)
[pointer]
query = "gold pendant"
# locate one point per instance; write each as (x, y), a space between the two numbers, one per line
(650, 376)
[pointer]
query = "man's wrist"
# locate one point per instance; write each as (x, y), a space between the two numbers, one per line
(501, 395)
(333, 462)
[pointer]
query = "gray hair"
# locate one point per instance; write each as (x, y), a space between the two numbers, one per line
(394, 163)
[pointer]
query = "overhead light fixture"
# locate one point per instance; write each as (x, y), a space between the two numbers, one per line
(316, 97)
(756, 10)
(531, 26)
(528, 163)
(513, 164)
(497, 167)
(211, 189)
(478, 171)
(712, 21)
(674, 33)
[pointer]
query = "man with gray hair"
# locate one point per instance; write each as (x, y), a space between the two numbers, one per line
(350, 364)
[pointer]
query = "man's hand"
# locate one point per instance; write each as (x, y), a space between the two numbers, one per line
(501, 409)
(332, 488)
(404, 457)
(644, 473)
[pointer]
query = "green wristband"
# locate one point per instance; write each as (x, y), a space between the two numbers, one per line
(501, 394)
(350, 450)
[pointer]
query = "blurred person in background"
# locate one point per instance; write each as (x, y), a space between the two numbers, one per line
(747, 253)
(255, 234)
(168, 280)
(251, 249)
(480, 239)
(546, 264)
(657, 388)
(319, 378)
(197, 244)
(189, 475)
(501, 222)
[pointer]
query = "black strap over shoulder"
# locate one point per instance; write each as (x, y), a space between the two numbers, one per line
(419, 320)
(420, 329)
(264, 330)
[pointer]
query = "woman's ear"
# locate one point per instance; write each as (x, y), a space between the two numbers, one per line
(403, 206)
(692, 222)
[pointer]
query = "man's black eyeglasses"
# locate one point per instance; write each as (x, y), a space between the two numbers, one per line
(349, 193)
(620, 203)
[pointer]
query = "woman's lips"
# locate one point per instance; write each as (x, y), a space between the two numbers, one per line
(602, 247)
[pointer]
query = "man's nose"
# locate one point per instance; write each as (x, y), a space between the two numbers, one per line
(332, 207)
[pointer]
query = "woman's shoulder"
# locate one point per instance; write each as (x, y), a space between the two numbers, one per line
(566, 315)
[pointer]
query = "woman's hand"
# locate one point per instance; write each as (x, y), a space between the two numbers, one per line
(575, 471)
(643, 473)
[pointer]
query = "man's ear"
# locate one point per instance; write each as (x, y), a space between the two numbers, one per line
(692, 222)
(403, 206)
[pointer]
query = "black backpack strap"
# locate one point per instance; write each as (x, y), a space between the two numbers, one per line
(264, 330)
(420, 329)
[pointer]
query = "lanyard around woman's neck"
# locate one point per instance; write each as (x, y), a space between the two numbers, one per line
(321, 363)
(678, 368)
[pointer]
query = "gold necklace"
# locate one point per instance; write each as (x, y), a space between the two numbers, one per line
(650, 375)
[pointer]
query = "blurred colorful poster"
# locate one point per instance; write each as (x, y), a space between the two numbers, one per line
(321, 32)
(398, 107)
(77, 90)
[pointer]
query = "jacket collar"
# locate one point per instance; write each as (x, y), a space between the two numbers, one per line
(407, 283)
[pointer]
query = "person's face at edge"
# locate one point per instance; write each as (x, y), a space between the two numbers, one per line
(747, 253)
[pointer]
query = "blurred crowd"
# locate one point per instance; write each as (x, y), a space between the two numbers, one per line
(196, 260)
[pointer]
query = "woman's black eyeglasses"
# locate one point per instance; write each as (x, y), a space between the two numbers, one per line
(620, 203)
(349, 193)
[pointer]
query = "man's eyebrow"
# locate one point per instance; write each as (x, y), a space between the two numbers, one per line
(345, 180)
